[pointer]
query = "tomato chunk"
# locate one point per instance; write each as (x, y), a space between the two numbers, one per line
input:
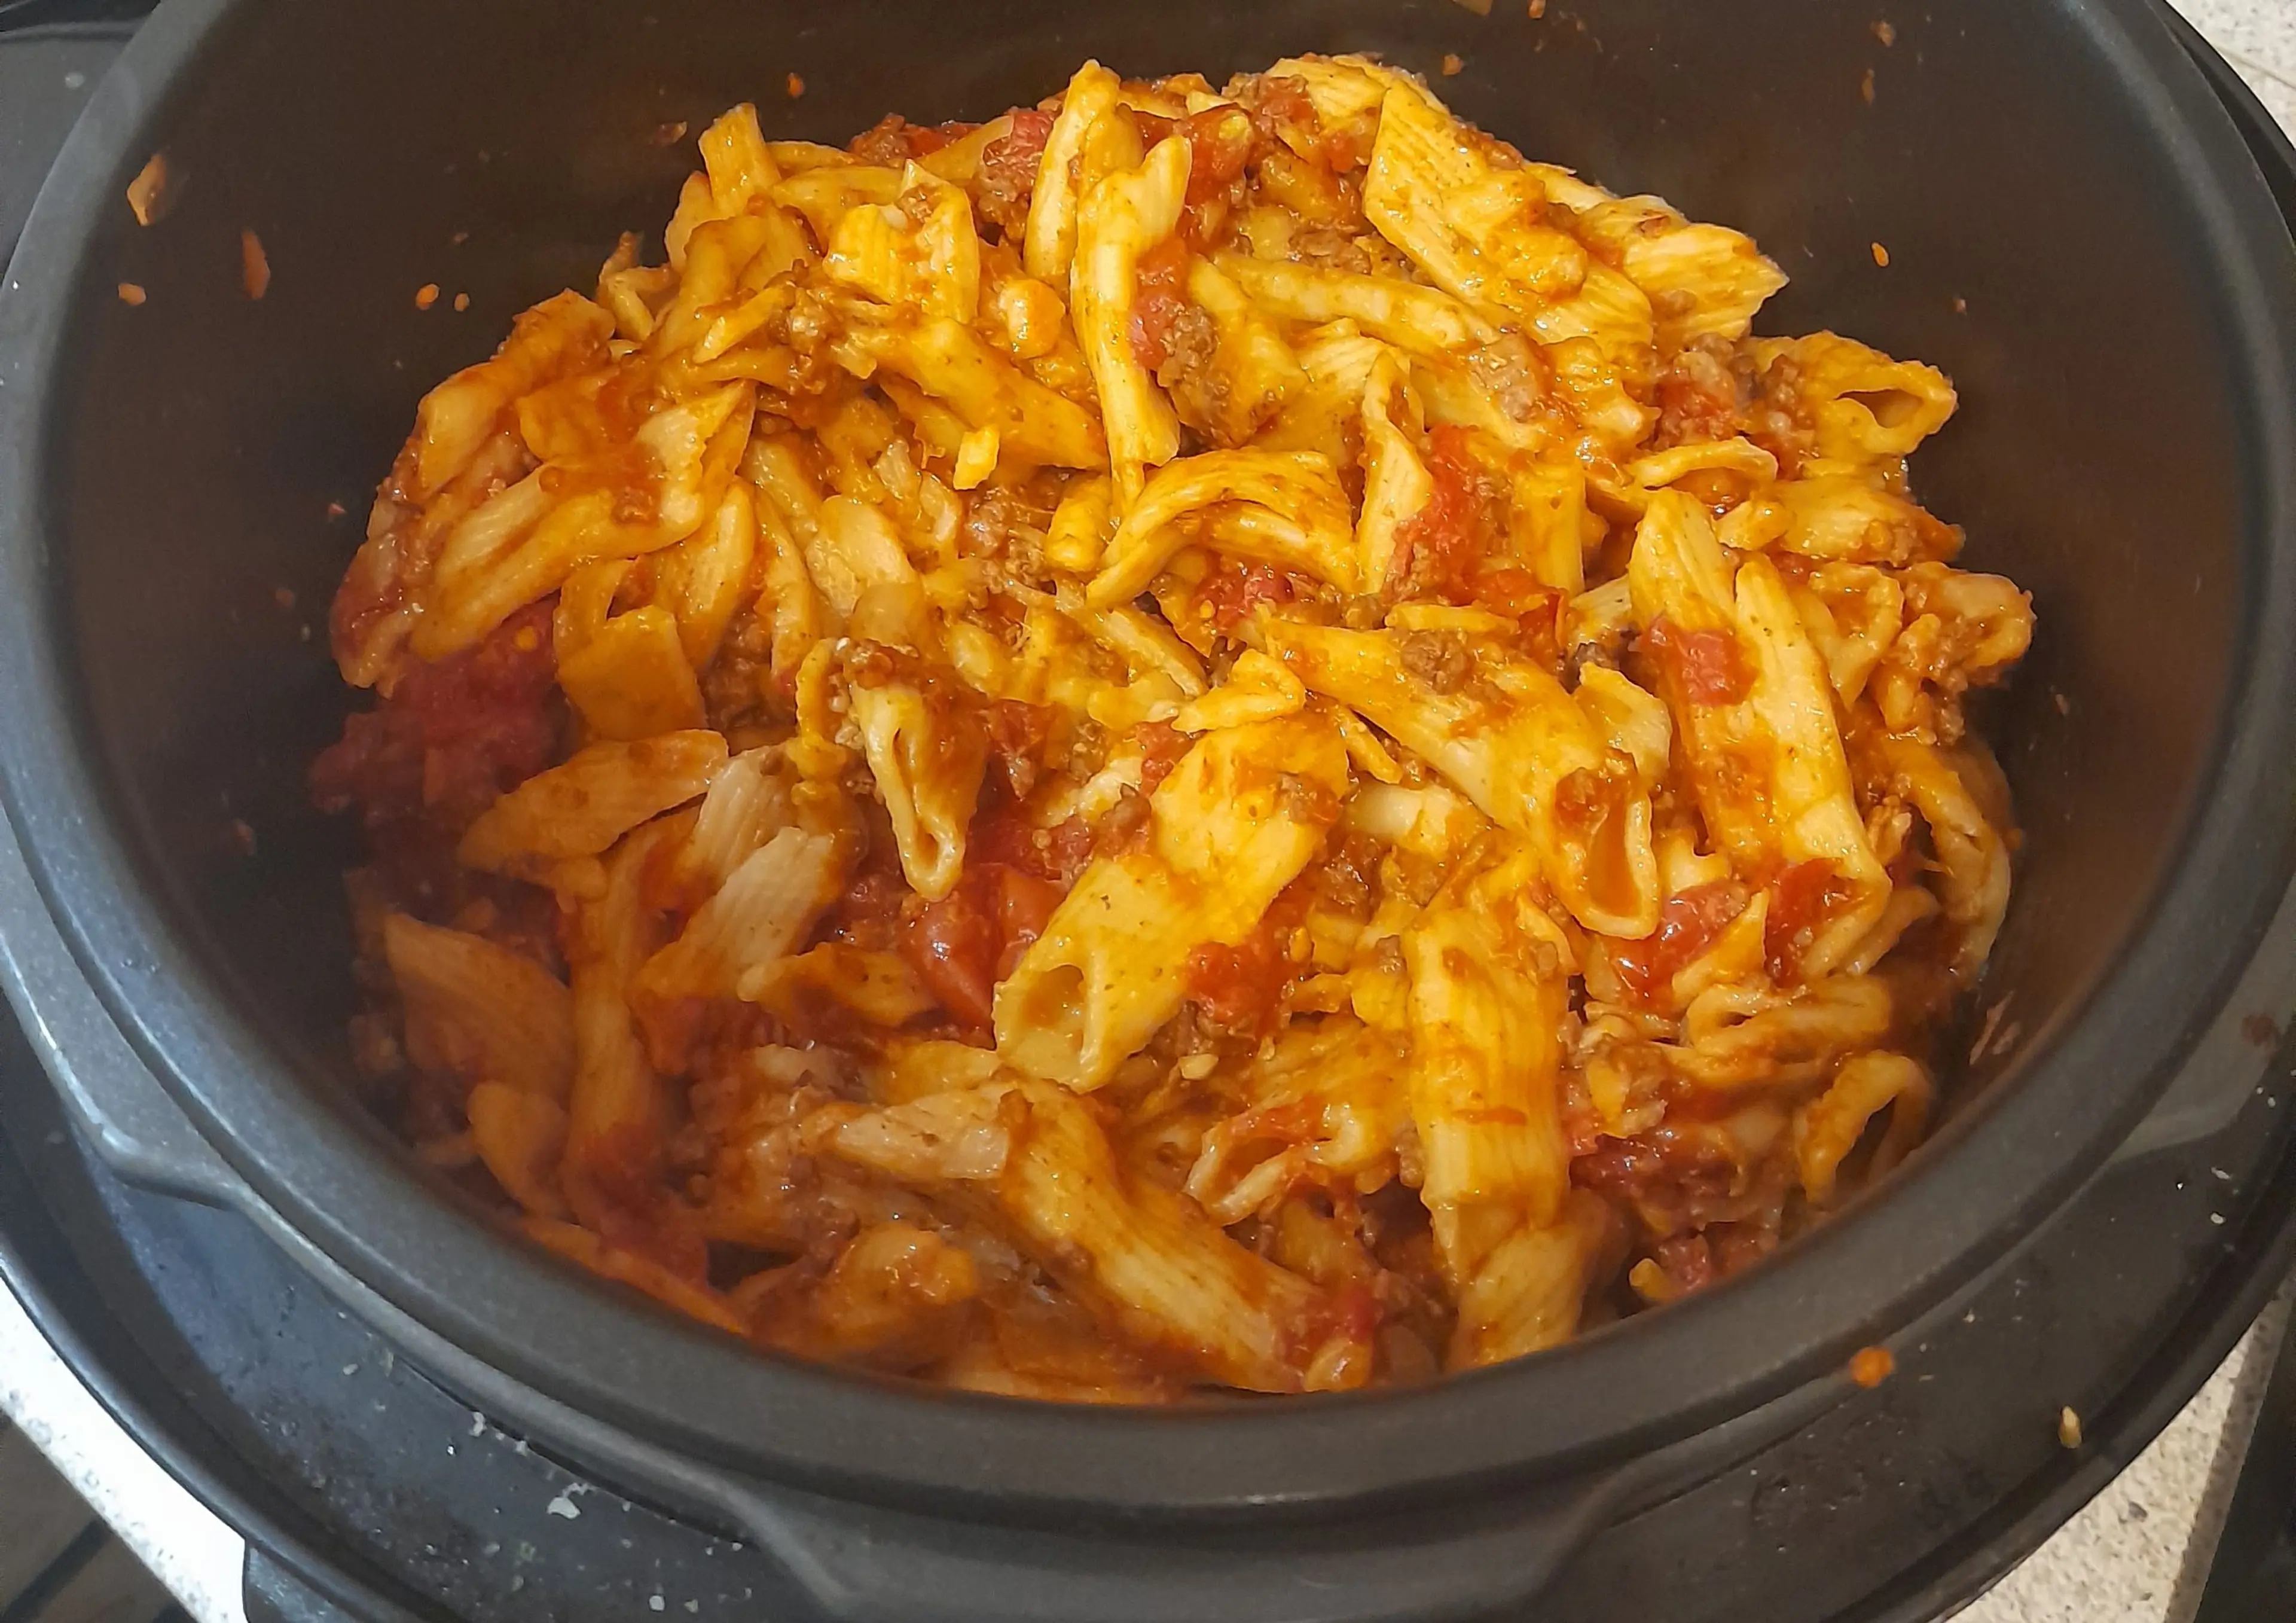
(1687, 925)
(1710, 665)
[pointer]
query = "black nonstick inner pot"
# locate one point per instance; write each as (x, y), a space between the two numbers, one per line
(2073, 229)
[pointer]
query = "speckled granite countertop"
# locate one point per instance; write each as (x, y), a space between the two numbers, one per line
(2136, 1555)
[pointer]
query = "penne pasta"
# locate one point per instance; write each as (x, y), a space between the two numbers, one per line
(1233, 824)
(1126, 214)
(1514, 744)
(580, 808)
(480, 1012)
(1194, 737)
(1752, 704)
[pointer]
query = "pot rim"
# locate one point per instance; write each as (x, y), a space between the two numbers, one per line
(1992, 1174)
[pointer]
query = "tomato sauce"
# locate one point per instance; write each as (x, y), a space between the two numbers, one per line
(1710, 665)
(1238, 987)
(1663, 1168)
(1439, 548)
(1687, 1260)
(1221, 142)
(619, 1193)
(1162, 274)
(1698, 401)
(1536, 608)
(1008, 170)
(893, 141)
(1687, 924)
(1220, 145)
(1007, 835)
(1017, 733)
(963, 944)
(1800, 899)
(1240, 990)
(1737, 1245)
(1518, 594)
(1161, 747)
(1235, 589)
(1350, 1312)
(1281, 106)
(452, 735)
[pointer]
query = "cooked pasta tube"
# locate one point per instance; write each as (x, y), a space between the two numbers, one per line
(1423, 320)
(1233, 824)
(480, 1012)
(1489, 995)
(1285, 508)
(1972, 858)
(1751, 702)
(1124, 216)
(1050, 239)
(583, 807)
(1830, 1126)
(620, 1111)
(927, 758)
(1516, 744)
(1322, 1108)
(1145, 1258)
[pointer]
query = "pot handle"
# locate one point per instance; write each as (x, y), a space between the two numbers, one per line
(111, 1095)
(868, 1565)
(2223, 1068)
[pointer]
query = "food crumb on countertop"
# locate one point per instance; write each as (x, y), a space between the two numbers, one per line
(2069, 1428)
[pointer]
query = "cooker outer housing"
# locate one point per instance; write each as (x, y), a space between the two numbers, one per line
(2074, 231)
